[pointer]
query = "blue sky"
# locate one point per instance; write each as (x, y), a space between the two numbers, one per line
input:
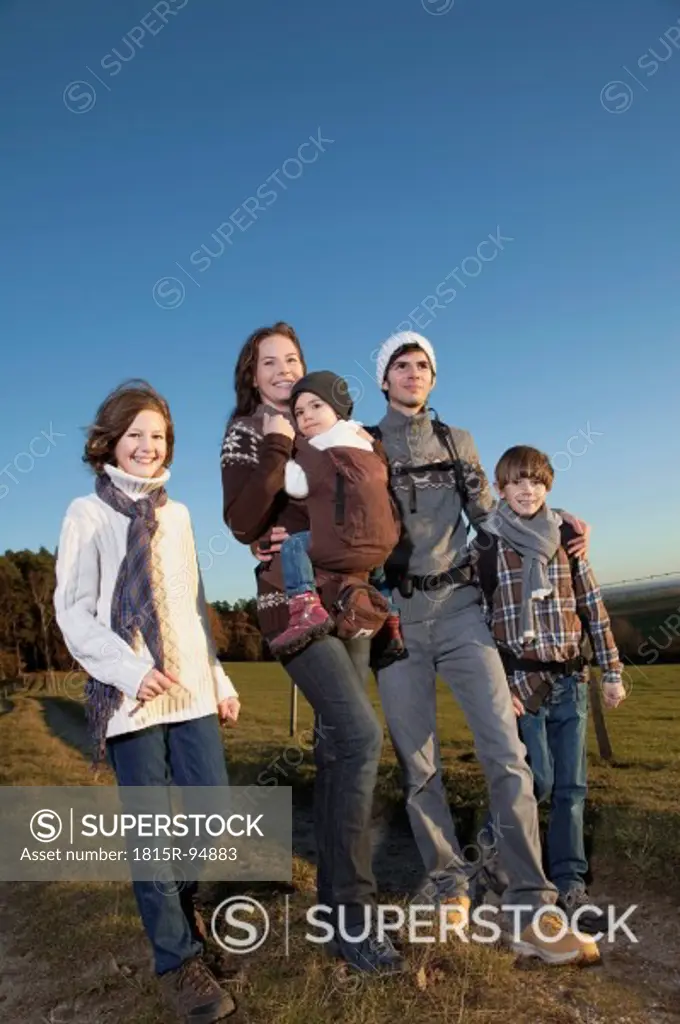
(554, 125)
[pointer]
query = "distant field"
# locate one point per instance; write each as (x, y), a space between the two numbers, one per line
(84, 959)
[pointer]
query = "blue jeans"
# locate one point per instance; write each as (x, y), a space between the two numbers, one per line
(186, 754)
(348, 739)
(555, 739)
(298, 571)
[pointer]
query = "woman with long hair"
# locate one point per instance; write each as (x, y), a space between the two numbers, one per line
(331, 673)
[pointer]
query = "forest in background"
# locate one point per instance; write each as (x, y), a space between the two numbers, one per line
(31, 641)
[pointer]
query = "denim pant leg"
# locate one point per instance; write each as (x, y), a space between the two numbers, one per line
(297, 569)
(142, 759)
(196, 752)
(348, 748)
(323, 795)
(359, 653)
(567, 725)
(534, 732)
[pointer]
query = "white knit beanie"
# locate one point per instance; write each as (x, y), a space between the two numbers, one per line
(393, 344)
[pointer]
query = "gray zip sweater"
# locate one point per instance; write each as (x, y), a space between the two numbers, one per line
(436, 532)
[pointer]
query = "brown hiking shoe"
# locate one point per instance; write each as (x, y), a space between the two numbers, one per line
(216, 959)
(308, 619)
(200, 927)
(554, 943)
(195, 995)
(457, 915)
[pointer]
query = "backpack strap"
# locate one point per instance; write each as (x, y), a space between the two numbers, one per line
(444, 435)
(567, 534)
(486, 565)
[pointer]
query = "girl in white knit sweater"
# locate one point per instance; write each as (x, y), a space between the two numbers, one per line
(129, 601)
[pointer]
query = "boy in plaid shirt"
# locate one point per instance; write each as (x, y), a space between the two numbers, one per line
(538, 601)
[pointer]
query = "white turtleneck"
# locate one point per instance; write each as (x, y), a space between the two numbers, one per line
(92, 545)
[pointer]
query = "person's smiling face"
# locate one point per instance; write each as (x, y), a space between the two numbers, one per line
(142, 449)
(525, 495)
(278, 367)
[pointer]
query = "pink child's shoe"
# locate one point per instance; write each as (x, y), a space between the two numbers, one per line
(308, 620)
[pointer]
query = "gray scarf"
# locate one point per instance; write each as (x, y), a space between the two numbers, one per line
(536, 539)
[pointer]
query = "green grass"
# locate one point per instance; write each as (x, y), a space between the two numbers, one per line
(75, 930)
(633, 813)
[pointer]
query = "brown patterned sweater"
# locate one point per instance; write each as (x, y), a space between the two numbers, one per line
(253, 470)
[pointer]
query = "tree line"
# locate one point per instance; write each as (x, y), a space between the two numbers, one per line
(31, 641)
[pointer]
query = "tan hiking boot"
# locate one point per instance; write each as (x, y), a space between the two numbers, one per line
(195, 995)
(541, 940)
(456, 914)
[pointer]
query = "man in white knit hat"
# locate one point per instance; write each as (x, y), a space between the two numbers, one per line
(437, 479)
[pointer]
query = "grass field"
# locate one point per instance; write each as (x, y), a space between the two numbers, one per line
(74, 952)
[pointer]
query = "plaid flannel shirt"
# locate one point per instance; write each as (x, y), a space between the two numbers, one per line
(559, 620)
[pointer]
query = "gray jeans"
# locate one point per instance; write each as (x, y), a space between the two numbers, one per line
(448, 635)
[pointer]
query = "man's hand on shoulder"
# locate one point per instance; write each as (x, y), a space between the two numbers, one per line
(579, 546)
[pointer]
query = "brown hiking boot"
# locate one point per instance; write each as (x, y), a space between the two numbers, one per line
(554, 943)
(216, 959)
(200, 927)
(457, 915)
(308, 619)
(195, 995)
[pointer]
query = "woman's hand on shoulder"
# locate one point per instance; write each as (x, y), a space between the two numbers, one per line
(277, 424)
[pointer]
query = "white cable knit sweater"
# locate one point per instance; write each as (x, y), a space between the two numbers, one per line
(92, 546)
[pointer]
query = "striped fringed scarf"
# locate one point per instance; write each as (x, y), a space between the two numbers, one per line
(132, 605)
